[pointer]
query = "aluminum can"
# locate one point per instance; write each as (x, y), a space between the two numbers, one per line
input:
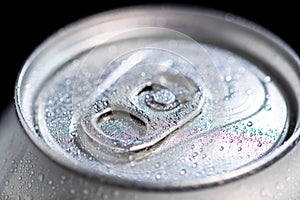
(159, 102)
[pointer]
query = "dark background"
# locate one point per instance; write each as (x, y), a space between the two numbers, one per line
(24, 27)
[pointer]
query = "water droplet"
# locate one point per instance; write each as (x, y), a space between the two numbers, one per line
(249, 124)
(203, 172)
(85, 191)
(268, 107)
(279, 186)
(259, 144)
(6, 182)
(211, 169)
(204, 156)
(195, 154)
(68, 82)
(131, 157)
(50, 182)
(267, 79)
(228, 78)
(226, 98)
(194, 165)
(72, 191)
(74, 134)
(132, 163)
(240, 149)
(221, 148)
(249, 92)
(158, 176)
(164, 97)
(76, 62)
(156, 165)
(20, 178)
(182, 172)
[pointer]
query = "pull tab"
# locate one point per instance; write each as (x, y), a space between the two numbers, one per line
(145, 103)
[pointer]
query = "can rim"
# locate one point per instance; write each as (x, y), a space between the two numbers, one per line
(111, 15)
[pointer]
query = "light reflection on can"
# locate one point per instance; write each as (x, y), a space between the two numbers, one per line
(201, 106)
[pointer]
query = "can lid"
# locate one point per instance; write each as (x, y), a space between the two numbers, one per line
(161, 100)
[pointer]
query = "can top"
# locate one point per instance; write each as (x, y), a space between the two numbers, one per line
(160, 98)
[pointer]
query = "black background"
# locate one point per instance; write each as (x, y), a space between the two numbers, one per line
(24, 27)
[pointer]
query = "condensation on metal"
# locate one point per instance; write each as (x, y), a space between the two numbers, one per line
(153, 107)
(104, 115)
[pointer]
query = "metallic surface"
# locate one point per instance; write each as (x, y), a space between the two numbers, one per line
(250, 73)
(27, 173)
